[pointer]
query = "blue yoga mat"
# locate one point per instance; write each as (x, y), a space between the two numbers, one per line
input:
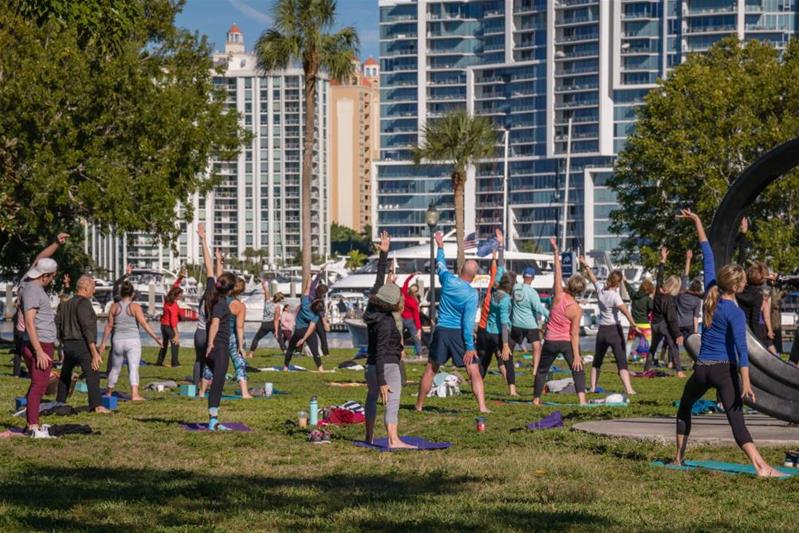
(720, 466)
(421, 444)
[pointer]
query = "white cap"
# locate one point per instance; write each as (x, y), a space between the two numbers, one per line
(43, 266)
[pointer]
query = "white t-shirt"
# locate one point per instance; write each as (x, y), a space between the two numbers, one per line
(609, 301)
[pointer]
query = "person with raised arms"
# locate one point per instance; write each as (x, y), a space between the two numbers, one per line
(37, 325)
(219, 338)
(723, 360)
(526, 312)
(453, 337)
(611, 334)
(563, 331)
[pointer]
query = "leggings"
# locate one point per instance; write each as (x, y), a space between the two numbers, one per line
(167, 333)
(492, 347)
(76, 353)
(660, 332)
(312, 343)
(200, 346)
(217, 365)
(610, 337)
(265, 329)
(40, 379)
(122, 349)
(410, 325)
(549, 353)
(235, 355)
(18, 344)
(322, 334)
(724, 378)
(394, 382)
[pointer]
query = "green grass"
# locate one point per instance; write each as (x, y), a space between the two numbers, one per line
(142, 472)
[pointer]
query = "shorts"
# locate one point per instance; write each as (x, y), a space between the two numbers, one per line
(645, 329)
(518, 335)
(448, 344)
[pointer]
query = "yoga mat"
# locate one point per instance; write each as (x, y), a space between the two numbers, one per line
(608, 404)
(727, 468)
(292, 368)
(121, 396)
(421, 444)
(552, 421)
(198, 426)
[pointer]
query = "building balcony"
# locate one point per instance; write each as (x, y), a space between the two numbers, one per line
(724, 28)
(563, 4)
(705, 11)
(576, 21)
(576, 88)
(581, 54)
(592, 69)
(588, 37)
(576, 105)
(641, 15)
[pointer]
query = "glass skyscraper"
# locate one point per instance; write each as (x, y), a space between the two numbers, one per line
(532, 66)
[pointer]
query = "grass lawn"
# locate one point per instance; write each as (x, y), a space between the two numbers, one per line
(143, 472)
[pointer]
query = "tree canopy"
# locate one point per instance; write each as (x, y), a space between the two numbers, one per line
(696, 133)
(108, 115)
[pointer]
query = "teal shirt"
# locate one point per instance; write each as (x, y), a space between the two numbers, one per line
(527, 307)
(499, 313)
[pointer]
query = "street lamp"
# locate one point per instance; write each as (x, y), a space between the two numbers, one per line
(431, 217)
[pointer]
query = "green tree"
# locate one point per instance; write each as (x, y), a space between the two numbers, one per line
(356, 259)
(695, 134)
(344, 239)
(302, 32)
(460, 140)
(108, 115)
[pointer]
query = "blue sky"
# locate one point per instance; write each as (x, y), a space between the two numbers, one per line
(214, 17)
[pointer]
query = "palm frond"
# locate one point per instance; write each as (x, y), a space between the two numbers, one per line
(275, 50)
(338, 52)
(458, 138)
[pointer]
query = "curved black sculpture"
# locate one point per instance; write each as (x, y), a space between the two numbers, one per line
(776, 383)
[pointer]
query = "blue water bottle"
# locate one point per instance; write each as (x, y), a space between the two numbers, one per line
(313, 411)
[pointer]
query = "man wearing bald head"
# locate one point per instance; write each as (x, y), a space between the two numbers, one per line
(77, 330)
(453, 337)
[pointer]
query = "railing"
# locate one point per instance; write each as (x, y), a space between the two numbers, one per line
(581, 37)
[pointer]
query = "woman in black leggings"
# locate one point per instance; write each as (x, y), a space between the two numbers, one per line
(217, 357)
(718, 364)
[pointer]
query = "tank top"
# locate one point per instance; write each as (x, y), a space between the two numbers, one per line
(559, 325)
(233, 347)
(269, 312)
(125, 324)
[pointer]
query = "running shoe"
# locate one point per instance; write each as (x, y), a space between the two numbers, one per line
(214, 425)
(792, 459)
(40, 433)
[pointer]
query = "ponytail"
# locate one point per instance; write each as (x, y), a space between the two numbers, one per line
(224, 284)
(711, 302)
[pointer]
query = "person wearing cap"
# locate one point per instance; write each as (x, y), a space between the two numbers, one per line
(383, 374)
(39, 331)
(77, 331)
(525, 315)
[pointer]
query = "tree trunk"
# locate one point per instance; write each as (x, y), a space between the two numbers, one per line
(307, 171)
(458, 186)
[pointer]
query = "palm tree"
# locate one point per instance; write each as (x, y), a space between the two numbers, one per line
(460, 139)
(302, 33)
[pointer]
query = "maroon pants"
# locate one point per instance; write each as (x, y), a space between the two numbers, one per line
(39, 379)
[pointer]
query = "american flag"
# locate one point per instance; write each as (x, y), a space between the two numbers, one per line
(470, 243)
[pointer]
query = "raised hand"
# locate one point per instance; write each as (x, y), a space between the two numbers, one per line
(385, 242)
(439, 237)
(62, 238)
(687, 214)
(554, 244)
(664, 254)
(129, 269)
(201, 230)
(689, 254)
(745, 225)
(500, 237)
(219, 255)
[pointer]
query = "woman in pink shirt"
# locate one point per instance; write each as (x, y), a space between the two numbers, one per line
(563, 331)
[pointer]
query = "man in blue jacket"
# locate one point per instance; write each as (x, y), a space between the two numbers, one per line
(453, 337)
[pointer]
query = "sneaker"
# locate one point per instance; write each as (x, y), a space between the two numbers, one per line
(792, 459)
(214, 425)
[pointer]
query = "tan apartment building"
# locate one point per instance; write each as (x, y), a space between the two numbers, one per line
(354, 144)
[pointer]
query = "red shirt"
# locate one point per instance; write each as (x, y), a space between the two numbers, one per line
(170, 316)
(487, 300)
(411, 310)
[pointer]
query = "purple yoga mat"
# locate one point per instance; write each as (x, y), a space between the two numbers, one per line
(381, 444)
(551, 421)
(197, 426)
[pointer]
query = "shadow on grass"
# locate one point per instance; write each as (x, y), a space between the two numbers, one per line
(44, 497)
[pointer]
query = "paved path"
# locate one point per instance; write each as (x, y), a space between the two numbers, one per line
(766, 431)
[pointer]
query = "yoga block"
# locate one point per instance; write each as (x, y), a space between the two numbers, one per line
(81, 386)
(188, 390)
(110, 402)
(20, 402)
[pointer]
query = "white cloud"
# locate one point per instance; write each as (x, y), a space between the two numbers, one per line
(250, 11)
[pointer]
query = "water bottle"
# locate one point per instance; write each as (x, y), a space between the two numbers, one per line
(313, 411)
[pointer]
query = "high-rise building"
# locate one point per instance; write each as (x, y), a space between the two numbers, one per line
(534, 67)
(354, 144)
(256, 206)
